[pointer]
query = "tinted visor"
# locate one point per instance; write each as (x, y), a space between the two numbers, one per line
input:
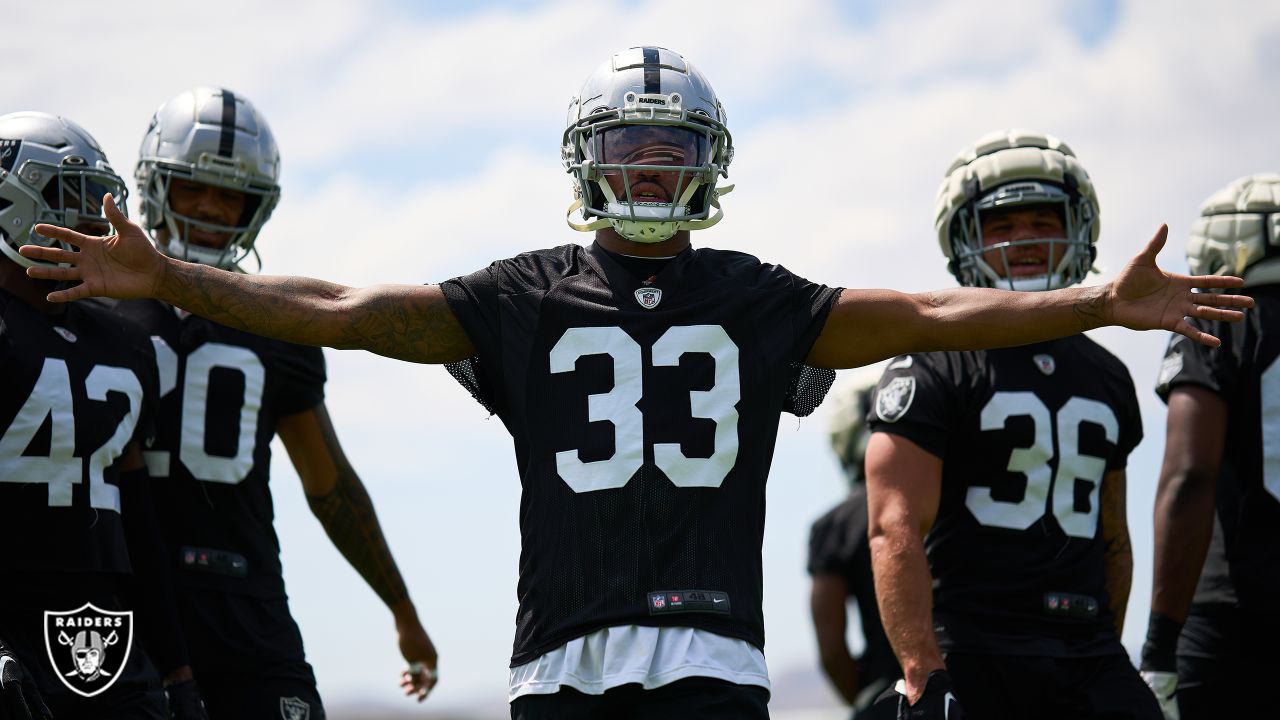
(666, 145)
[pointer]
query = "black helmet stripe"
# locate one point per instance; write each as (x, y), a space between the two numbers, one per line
(227, 140)
(652, 71)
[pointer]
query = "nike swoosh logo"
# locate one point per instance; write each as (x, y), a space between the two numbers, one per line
(947, 700)
(717, 600)
(3, 661)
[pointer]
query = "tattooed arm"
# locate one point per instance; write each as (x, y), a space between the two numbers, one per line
(1117, 552)
(341, 503)
(869, 325)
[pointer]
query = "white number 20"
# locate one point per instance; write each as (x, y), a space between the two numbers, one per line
(618, 406)
(1033, 463)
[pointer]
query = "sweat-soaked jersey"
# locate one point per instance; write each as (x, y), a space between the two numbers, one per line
(1025, 436)
(77, 388)
(644, 413)
(223, 391)
(1243, 564)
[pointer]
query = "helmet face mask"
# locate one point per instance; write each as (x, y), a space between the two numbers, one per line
(646, 118)
(215, 138)
(51, 171)
(1005, 172)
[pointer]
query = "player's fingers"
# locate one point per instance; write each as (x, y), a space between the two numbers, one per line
(117, 218)
(1188, 330)
(1220, 300)
(47, 254)
(70, 294)
(1215, 281)
(1212, 313)
(55, 232)
(54, 272)
(1154, 245)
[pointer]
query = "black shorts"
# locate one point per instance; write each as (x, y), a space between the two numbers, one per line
(135, 692)
(1226, 660)
(695, 698)
(996, 687)
(247, 656)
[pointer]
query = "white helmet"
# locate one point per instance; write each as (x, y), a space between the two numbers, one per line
(639, 96)
(51, 171)
(1005, 169)
(211, 136)
(1238, 231)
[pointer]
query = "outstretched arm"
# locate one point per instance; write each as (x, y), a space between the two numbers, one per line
(870, 325)
(904, 485)
(341, 503)
(407, 322)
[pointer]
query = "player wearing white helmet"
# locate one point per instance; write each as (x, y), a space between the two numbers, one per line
(208, 172)
(1216, 572)
(996, 478)
(642, 381)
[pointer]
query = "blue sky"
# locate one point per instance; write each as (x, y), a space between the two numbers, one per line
(421, 141)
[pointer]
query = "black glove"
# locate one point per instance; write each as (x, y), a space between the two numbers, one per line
(19, 697)
(185, 702)
(937, 702)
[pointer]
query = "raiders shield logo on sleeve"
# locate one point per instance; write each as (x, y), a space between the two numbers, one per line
(894, 399)
(292, 708)
(88, 647)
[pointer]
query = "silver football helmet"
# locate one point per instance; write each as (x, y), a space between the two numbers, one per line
(646, 110)
(51, 171)
(211, 136)
(1010, 168)
(1238, 231)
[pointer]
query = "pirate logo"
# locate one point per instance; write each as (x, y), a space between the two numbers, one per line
(292, 708)
(894, 399)
(88, 646)
(649, 297)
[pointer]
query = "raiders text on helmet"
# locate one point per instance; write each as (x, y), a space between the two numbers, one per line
(1009, 168)
(657, 89)
(214, 137)
(51, 171)
(1238, 231)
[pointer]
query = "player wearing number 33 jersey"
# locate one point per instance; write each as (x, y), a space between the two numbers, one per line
(1013, 461)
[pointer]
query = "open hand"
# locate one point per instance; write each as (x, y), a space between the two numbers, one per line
(124, 265)
(1144, 297)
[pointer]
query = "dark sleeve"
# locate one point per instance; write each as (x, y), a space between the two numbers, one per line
(474, 301)
(300, 373)
(838, 539)
(916, 399)
(152, 583)
(1130, 423)
(810, 305)
(1190, 363)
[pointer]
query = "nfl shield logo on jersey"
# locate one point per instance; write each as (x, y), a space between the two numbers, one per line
(649, 297)
(292, 708)
(1044, 363)
(894, 399)
(88, 646)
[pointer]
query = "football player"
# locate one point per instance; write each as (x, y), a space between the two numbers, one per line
(840, 565)
(642, 381)
(996, 478)
(75, 504)
(1221, 452)
(208, 175)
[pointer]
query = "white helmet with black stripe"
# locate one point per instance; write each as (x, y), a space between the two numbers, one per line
(1238, 231)
(51, 171)
(646, 110)
(1011, 168)
(211, 136)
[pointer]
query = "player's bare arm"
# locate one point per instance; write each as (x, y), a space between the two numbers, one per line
(341, 503)
(870, 325)
(406, 322)
(904, 485)
(1118, 552)
(1185, 498)
(827, 603)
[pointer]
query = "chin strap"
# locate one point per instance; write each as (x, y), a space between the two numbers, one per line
(601, 223)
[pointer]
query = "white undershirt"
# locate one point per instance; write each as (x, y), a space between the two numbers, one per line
(651, 656)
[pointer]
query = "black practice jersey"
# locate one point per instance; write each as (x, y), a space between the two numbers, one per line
(1243, 371)
(838, 546)
(644, 414)
(1026, 436)
(223, 390)
(77, 389)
